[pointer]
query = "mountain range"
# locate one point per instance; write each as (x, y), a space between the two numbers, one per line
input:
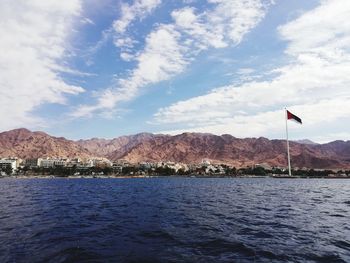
(185, 147)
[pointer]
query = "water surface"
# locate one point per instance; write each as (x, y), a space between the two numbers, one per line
(174, 220)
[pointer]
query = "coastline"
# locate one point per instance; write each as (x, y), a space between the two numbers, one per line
(166, 176)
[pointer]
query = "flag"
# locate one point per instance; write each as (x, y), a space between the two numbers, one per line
(291, 116)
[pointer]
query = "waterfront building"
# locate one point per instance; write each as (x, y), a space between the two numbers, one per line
(101, 162)
(74, 162)
(60, 162)
(145, 165)
(47, 163)
(205, 162)
(117, 167)
(35, 162)
(210, 169)
(9, 163)
(122, 162)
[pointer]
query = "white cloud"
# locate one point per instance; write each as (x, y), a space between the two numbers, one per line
(138, 10)
(129, 13)
(245, 71)
(88, 21)
(272, 122)
(226, 24)
(315, 83)
(33, 43)
(170, 47)
(162, 58)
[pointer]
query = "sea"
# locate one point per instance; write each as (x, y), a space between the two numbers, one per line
(174, 219)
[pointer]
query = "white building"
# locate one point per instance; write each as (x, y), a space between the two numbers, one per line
(5, 163)
(47, 163)
(210, 169)
(205, 162)
(101, 162)
(60, 162)
(50, 163)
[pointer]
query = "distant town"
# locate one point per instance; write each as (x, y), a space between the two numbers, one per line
(102, 167)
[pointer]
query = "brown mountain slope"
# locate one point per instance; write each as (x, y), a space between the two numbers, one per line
(193, 147)
(118, 146)
(23, 143)
(186, 147)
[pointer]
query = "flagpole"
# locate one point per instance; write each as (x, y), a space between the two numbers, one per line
(289, 168)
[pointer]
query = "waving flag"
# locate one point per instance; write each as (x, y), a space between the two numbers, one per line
(291, 116)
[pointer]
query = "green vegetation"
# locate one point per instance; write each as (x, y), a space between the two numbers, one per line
(7, 170)
(224, 170)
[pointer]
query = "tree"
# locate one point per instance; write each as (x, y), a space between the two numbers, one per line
(7, 169)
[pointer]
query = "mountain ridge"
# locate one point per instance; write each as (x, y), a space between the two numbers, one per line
(185, 147)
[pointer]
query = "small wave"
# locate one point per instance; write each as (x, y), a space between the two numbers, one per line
(262, 234)
(337, 215)
(73, 254)
(219, 246)
(271, 256)
(326, 258)
(342, 244)
(164, 235)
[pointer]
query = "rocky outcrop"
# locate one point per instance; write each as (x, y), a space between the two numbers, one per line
(24, 144)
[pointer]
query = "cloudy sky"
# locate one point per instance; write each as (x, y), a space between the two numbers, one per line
(95, 68)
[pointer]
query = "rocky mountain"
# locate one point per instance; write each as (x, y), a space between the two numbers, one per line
(306, 141)
(24, 144)
(186, 148)
(118, 146)
(194, 147)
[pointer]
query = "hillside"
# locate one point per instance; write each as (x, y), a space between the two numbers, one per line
(24, 144)
(186, 148)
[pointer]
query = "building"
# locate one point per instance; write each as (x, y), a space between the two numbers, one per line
(60, 162)
(205, 162)
(47, 163)
(51, 163)
(9, 164)
(101, 162)
(122, 162)
(75, 162)
(117, 167)
(36, 162)
(145, 165)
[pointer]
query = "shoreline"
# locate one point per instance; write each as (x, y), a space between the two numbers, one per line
(164, 176)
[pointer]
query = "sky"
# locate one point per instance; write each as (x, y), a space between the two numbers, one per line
(92, 68)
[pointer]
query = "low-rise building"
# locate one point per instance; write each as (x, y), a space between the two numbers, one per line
(122, 162)
(47, 163)
(145, 165)
(117, 167)
(34, 162)
(9, 164)
(60, 162)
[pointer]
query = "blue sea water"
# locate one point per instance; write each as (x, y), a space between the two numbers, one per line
(174, 220)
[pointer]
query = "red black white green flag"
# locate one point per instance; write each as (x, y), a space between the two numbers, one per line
(291, 116)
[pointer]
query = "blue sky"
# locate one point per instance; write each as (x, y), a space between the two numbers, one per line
(83, 69)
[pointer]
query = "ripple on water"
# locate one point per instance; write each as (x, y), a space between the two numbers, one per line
(324, 258)
(174, 220)
(342, 244)
(215, 247)
(72, 254)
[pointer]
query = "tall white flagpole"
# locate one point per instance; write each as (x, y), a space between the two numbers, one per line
(289, 168)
